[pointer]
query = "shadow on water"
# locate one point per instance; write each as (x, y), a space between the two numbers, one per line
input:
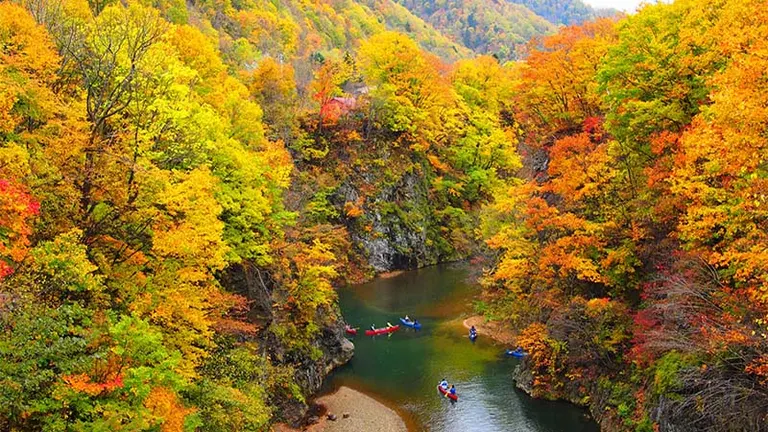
(403, 369)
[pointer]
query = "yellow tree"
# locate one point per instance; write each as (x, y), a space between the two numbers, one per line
(181, 295)
(272, 84)
(721, 169)
(557, 88)
(409, 91)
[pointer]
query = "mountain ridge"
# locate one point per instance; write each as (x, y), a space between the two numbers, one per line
(485, 26)
(565, 12)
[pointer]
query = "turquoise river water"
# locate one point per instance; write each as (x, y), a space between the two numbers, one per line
(402, 369)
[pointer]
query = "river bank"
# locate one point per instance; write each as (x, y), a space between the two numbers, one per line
(522, 375)
(364, 414)
(402, 369)
(494, 330)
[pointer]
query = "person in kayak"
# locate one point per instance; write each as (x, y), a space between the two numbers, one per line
(473, 332)
(453, 390)
(407, 318)
(416, 322)
(444, 384)
(373, 327)
(389, 324)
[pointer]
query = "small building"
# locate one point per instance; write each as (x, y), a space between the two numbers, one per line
(337, 107)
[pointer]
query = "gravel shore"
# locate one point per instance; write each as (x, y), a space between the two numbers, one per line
(493, 330)
(365, 414)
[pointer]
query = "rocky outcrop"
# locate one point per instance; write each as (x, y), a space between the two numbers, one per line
(256, 285)
(523, 377)
(571, 392)
(395, 232)
(337, 350)
(598, 401)
(310, 374)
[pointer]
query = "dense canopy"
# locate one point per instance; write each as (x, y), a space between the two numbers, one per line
(184, 184)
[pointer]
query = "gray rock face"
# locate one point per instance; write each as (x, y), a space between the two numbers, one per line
(400, 217)
(523, 377)
(345, 352)
(337, 350)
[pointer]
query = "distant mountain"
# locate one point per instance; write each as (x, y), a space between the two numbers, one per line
(396, 17)
(486, 26)
(451, 29)
(566, 12)
(298, 28)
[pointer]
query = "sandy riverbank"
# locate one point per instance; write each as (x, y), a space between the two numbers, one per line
(494, 330)
(365, 414)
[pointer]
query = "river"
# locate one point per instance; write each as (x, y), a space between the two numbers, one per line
(402, 370)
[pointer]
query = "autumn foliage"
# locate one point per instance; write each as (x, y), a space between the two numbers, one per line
(639, 246)
(172, 215)
(131, 173)
(17, 208)
(183, 184)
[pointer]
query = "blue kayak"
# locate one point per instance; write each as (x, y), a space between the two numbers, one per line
(517, 353)
(411, 324)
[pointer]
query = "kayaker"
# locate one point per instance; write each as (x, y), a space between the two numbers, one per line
(416, 322)
(453, 390)
(444, 384)
(389, 324)
(373, 327)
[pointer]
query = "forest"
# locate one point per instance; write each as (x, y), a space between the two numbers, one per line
(184, 185)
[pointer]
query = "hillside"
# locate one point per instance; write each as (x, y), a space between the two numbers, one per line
(298, 28)
(632, 259)
(565, 12)
(185, 184)
(178, 201)
(490, 27)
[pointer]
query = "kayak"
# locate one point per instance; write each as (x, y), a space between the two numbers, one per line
(382, 330)
(410, 324)
(445, 393)
(517, 353)
(350, 330)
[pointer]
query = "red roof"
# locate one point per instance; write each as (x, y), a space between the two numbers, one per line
(336, 107)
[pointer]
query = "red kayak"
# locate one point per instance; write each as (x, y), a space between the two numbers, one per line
(445, 393)
(382, 330)
(350, 330)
